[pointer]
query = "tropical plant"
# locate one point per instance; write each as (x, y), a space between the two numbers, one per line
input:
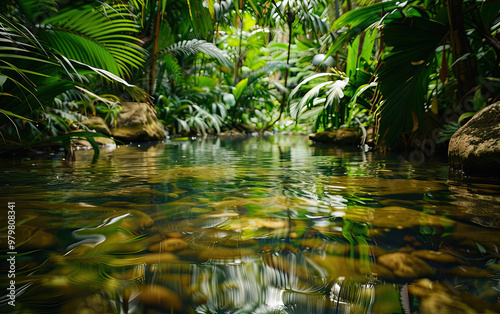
(415, 35)
(49, 48)
(338, 98)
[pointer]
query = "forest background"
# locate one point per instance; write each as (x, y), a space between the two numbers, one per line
(408, 72)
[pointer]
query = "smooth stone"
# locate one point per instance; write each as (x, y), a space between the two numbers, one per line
(160, 297)
(475, 147)
(156, 258)
(169, 245)
(341, 266)
(406, 266)
(435, 256)
(222, 253)
(437, 298)
(313, 243)
(467, 271)
(273, 224)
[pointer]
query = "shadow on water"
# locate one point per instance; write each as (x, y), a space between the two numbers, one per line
(252, 225)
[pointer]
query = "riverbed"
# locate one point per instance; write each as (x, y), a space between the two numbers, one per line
(246, 225)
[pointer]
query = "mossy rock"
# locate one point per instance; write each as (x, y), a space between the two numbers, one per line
(344, 137)
(475, 147)
(97, 124)
(137, 122)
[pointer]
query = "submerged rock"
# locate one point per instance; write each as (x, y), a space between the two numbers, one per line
(438, 298)
(138, 122)
(475, 147)
(222, 253)
(435, 256)
(160, 297)
(169, 245)
(468, 271)
(152, 258)
(406, 266)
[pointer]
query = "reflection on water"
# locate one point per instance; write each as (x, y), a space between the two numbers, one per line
(253, 225)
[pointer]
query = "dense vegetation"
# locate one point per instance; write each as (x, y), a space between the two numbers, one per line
(410, 70)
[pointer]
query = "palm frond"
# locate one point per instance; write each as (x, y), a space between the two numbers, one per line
(33, 8)
(98, 38)
(269, 67)
(194, 46)
(297, 108)
(404, 78)
(363, 18)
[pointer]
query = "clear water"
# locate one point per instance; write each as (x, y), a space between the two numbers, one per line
(259, 225)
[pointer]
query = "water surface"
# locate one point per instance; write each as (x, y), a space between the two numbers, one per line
(249, 225)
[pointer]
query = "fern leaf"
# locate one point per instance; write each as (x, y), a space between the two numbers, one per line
(194, 46)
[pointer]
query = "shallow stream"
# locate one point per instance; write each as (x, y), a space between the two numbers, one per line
(248, 225)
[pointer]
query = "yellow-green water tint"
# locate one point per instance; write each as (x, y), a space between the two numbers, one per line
(255, 225)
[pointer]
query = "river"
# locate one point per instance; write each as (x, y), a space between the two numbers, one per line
(246, 225)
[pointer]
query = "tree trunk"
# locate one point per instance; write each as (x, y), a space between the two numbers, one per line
(152, 74)
(465, 70)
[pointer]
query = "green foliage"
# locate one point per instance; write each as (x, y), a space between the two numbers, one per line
(96, 37)
(215, 65)
(405, 76)
(194, 46)
(68, 45)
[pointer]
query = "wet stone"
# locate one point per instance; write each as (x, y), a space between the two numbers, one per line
(169, 245)
(435, 256)
(222, 253)
(438, 298)
(159, 297)
(467, 271)
(406, 266)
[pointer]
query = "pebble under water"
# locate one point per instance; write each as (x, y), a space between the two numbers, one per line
(246, 225)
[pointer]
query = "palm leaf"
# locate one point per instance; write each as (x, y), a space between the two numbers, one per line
(194, 46)
(34, 8)
(296, 108)
(404, 78)
(363, 18)
(99, 40)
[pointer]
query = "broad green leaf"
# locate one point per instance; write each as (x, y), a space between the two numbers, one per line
(465, 116)
(404, 79)
(3, 78)
(6, 112)
(210, 4)
(239, 88)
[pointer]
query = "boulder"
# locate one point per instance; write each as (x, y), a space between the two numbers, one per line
(138, 122)
(97, 124)
(475, 147)
(347, 136)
